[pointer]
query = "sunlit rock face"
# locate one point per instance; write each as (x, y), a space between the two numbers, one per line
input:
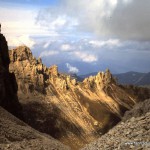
(30, 72)
(8, 85)
(74, 112)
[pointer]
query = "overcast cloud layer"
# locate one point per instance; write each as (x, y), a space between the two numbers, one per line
(81, 36)
(125, 19)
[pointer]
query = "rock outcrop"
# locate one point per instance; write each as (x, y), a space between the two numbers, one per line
(30, 73)
(8, 85)
(132, 133)
(74, 112)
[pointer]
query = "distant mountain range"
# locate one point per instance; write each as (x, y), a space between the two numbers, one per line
(135, 78)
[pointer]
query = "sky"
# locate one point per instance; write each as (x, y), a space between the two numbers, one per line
(81, 36)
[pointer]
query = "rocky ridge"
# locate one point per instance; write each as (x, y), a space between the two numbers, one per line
(74, 112)
(132, 133)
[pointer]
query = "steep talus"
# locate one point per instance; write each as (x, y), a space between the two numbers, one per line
(138, 110)
(132, 133)
(16, 135)
(74, 112)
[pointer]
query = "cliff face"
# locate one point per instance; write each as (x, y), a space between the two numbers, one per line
(74, 112)
(8, 85)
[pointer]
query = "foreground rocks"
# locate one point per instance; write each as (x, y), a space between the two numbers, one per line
(132, 133)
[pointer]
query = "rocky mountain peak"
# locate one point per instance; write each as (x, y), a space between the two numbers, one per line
(30, 72)
(20, 53)
(54, 70)
(101, 80)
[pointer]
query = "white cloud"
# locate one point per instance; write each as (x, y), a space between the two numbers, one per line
(86, 57)
(59, 22)
(66, 47)
(72, 69)
(18, 25)
(48, 53)
(47, 44)
(109, 43)
(56, 19)
(21, 40)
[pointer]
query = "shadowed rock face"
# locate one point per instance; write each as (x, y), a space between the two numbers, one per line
(74, 112)
(8, 85)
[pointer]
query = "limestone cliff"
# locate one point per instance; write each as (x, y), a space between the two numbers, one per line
(74, 112)
(8, 85)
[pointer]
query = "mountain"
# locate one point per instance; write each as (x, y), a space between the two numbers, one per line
(73, 112)
(135, 78)
(14, 133)
(132, 133)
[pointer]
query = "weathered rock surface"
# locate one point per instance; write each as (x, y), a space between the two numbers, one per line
(132, 133)
(30, 72)
(74, 112)
(8, 85)
(16, 135)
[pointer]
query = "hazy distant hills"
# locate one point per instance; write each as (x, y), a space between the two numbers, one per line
(135, 78)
